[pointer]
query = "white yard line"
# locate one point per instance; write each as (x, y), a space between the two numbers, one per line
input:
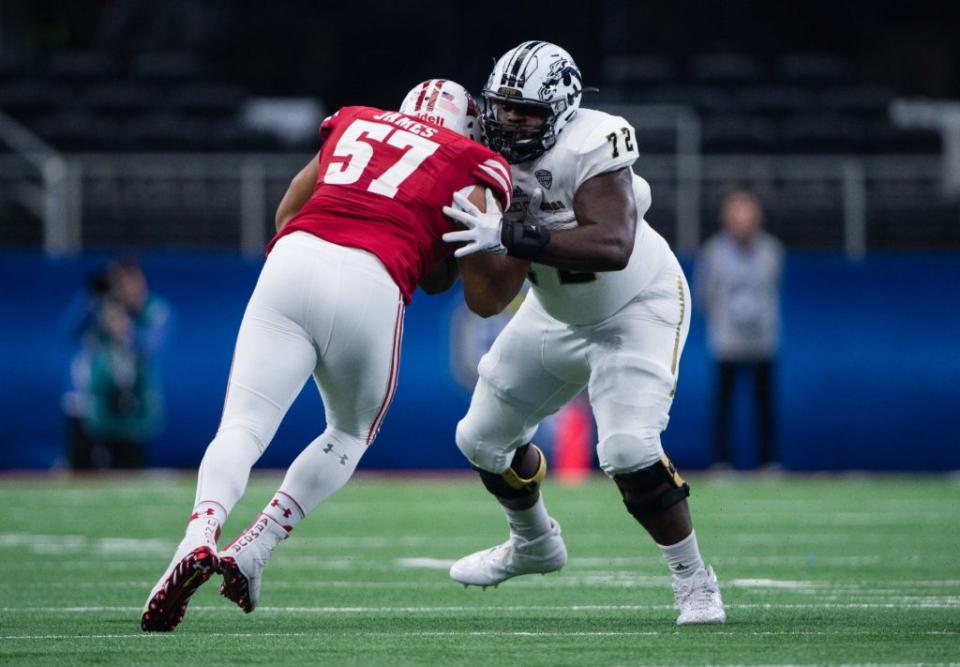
(344, 561)
(82, 545)
(825, 590)
(475, 633)
(773, 583)
(143, 635)
(122, 559)
(425, 563)
(944, 603)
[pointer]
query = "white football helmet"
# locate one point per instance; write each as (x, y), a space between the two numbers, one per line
(535, 74)
(445, 103)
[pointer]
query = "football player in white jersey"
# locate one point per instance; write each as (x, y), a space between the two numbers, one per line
(608, 309)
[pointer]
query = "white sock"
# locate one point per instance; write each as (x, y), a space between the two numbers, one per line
(284, 510)
(272, 533)
(529, 523)
(321, 469)
(205, 521)
(683, 558)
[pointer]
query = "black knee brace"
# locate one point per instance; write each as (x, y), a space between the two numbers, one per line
(636, 488)
(509, 484)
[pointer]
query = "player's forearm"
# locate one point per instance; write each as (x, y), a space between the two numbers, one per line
(590, 247)
(297, 195)
(490, 282)
(606, 214)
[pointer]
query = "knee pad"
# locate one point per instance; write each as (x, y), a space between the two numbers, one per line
(491, 430)
(509, 484)
(467, 441)
(640, 489)
(625, 452)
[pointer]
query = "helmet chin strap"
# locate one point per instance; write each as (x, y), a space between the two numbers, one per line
(500, 137)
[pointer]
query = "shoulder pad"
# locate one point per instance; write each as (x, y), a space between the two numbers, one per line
(608, 144)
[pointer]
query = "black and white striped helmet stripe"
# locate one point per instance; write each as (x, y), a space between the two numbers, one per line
(513, 68)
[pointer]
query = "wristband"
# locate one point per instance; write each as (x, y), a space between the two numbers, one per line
(524, 240)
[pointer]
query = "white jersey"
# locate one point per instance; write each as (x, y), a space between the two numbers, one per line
(592, 143)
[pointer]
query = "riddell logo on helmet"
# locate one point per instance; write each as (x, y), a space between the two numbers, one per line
(431, 118)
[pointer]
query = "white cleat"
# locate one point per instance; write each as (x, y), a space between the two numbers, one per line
(243, 560)
(514, 557)
(698, 598)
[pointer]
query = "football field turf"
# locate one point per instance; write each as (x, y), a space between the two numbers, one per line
(822, 570)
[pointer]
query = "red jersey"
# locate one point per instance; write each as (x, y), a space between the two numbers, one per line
(383, 179)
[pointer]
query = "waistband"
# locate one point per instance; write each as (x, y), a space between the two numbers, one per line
(353, 257)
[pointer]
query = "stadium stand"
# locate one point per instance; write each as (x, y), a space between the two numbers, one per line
(802, 102)
(128, 86)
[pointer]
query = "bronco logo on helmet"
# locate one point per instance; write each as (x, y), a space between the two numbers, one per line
(561, 71)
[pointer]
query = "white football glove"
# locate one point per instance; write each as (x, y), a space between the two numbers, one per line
(483, 229)
(549, 219)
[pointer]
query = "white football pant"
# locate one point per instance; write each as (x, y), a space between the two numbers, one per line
(318, 309)
(628, 362)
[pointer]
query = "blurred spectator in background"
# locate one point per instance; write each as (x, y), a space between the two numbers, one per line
(124, 407)
(79, 325)
(738, 278)
(115, 403)
(149, 312)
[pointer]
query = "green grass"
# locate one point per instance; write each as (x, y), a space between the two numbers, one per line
(813, 571)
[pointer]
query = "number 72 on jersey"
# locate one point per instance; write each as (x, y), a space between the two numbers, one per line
(614, 138)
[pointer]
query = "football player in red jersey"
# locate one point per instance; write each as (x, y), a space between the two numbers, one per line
(358, 229)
